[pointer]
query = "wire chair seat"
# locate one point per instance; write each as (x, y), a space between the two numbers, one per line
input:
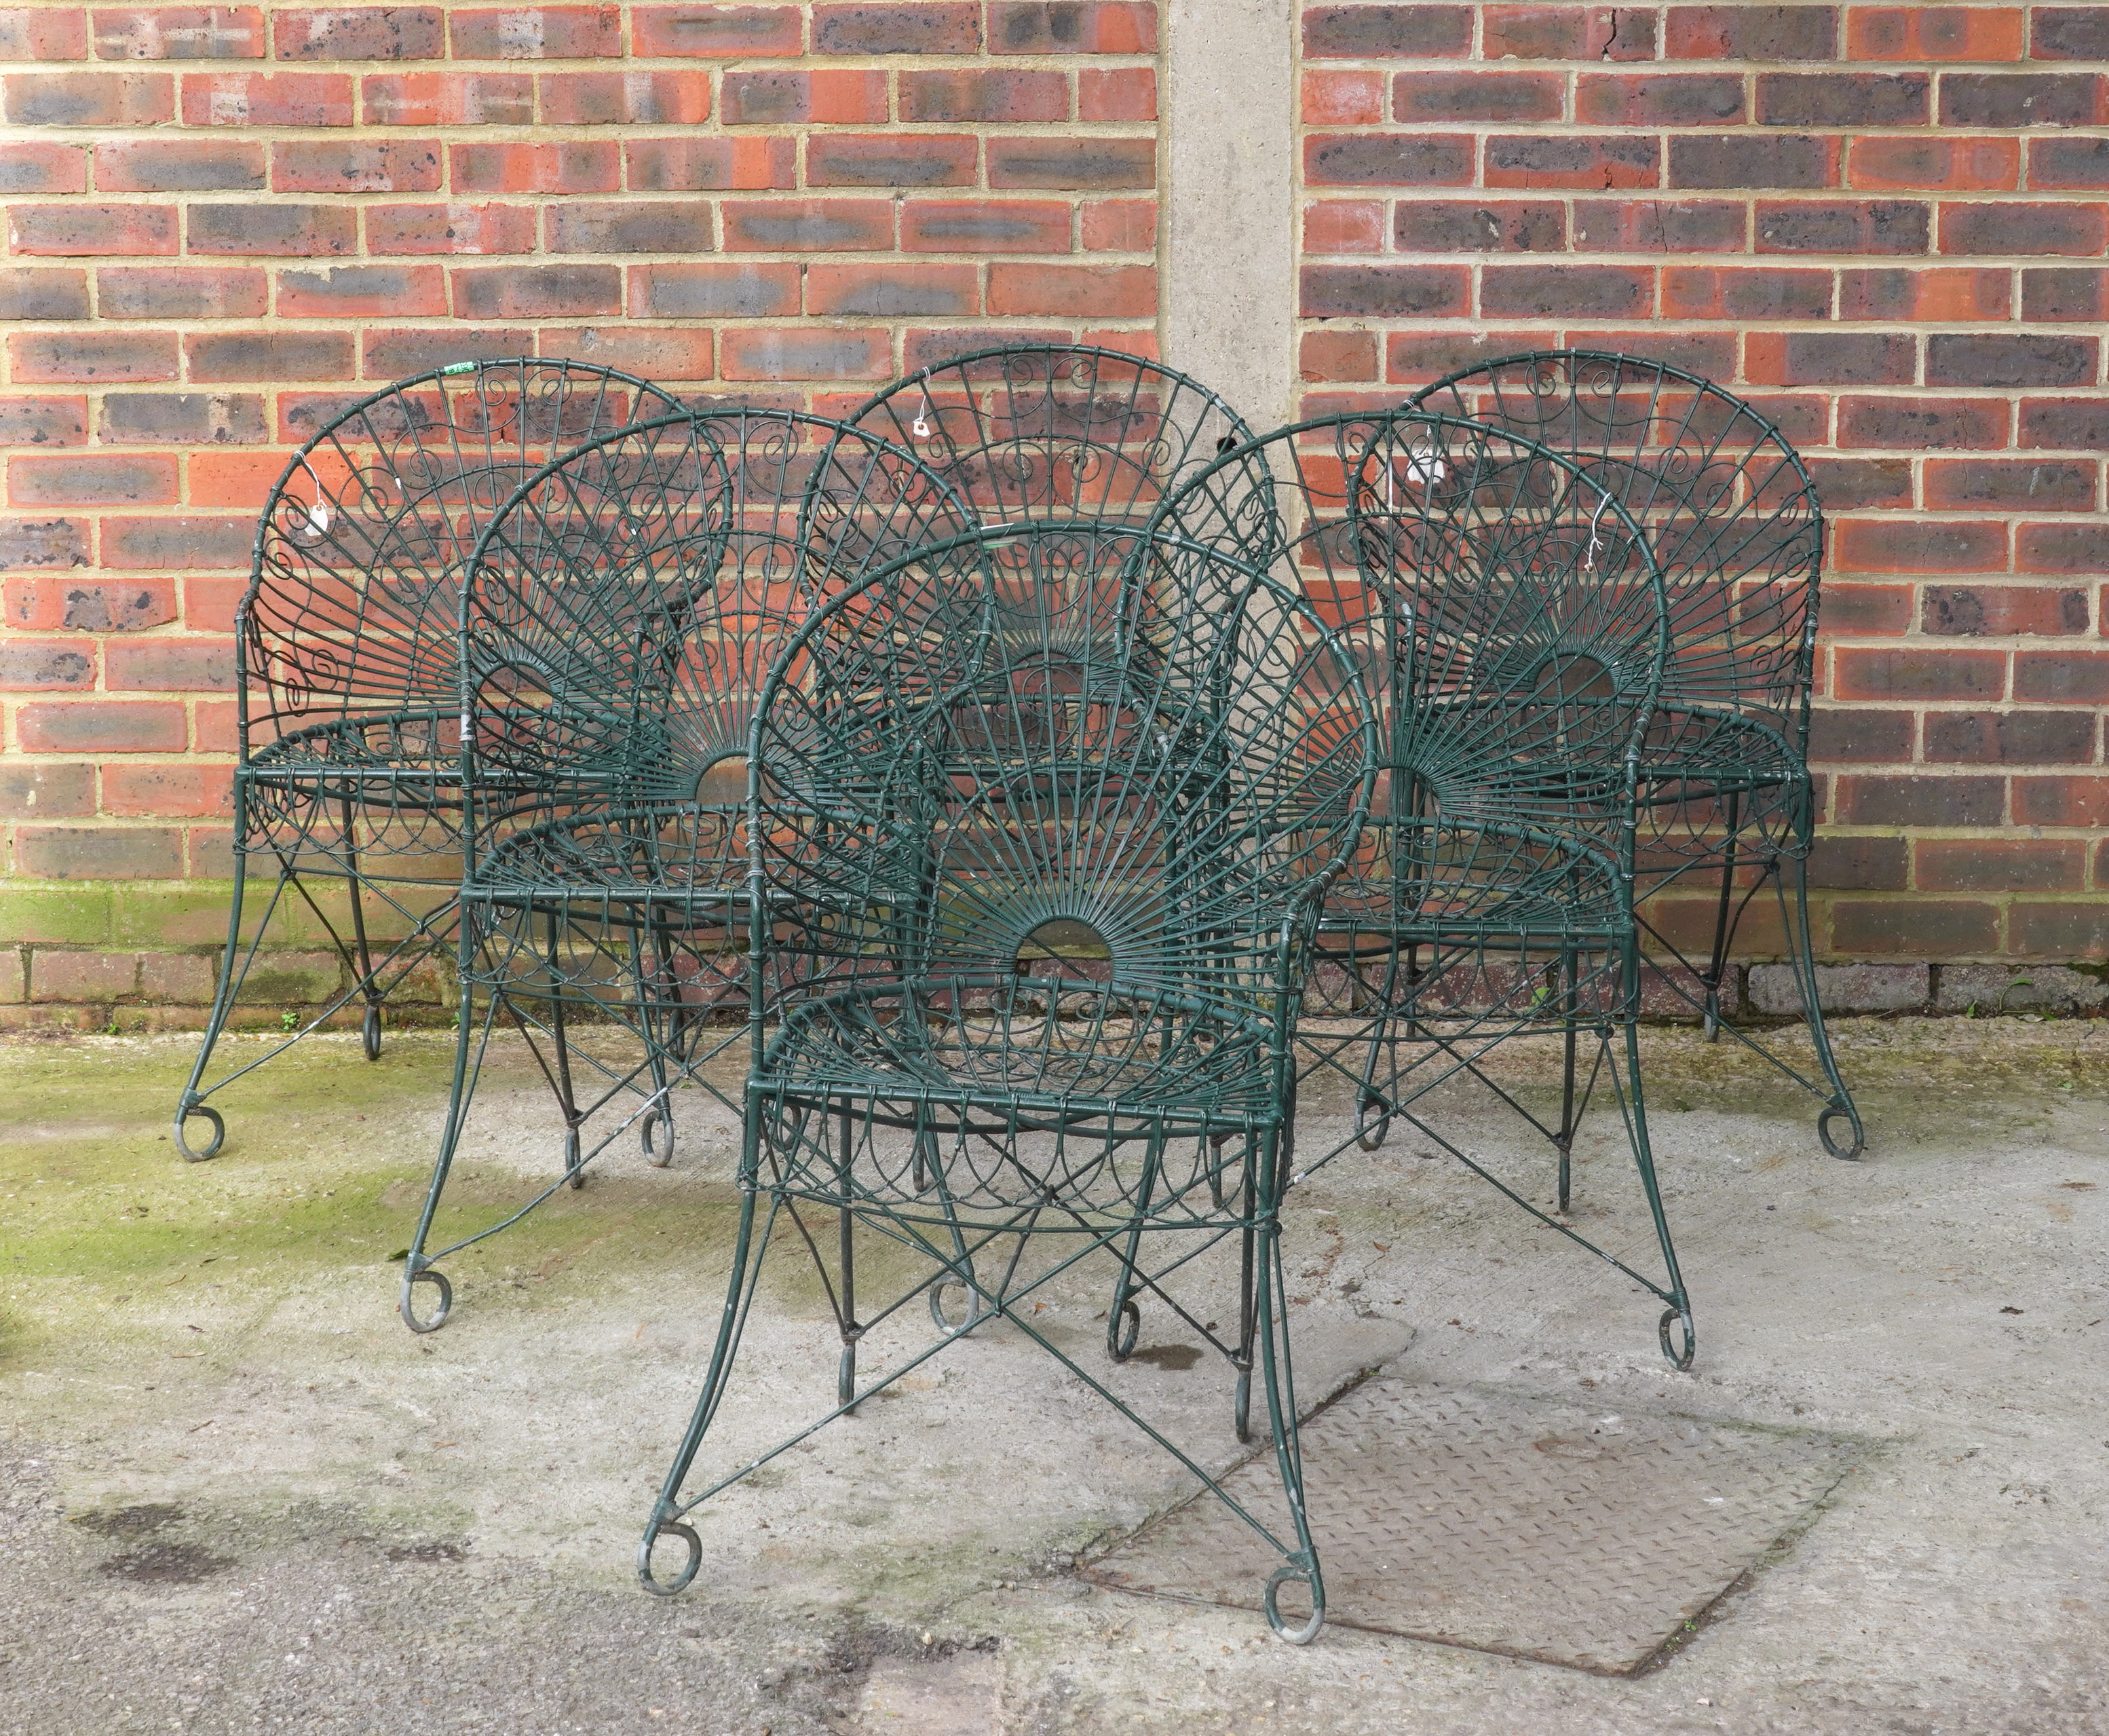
(1423, 878)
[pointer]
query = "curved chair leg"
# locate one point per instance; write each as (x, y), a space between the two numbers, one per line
(1678, 1314)
(567, 1100)
(1278, 1379)
(190, 1104)
(1570, 1016)
(1794, 908)
(417, 1268)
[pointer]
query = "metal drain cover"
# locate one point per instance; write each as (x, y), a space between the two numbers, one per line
(1505, 1522)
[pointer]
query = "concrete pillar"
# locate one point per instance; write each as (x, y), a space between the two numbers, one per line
(1228, 216)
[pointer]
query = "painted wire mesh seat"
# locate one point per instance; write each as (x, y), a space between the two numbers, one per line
(1725, 802)
(346, 685)
(1513, 627)
(1056, 432)
(1054, 848)
(603, 920)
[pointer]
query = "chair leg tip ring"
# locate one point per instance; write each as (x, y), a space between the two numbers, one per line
(687, 1573)
(191, 1154)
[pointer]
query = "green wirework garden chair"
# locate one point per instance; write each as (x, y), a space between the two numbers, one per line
(1042, 860)
(346, 689)
(612, 903)
(1514, 627)
(1725, 800)
(1051, 431)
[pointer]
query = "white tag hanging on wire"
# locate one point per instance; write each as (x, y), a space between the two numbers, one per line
(922, 422)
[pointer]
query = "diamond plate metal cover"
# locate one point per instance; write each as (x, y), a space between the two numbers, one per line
(1504, 1522)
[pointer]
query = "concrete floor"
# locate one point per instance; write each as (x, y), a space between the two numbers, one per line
(235, 1494)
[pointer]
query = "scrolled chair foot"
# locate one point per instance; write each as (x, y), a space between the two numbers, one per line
(1371, 1135)
(1852, 1118)
(1123, 1331)
(1297, 1569)
(194, 1154)
(407, 1305)
(976, 1310)
(655, 1131)
(1678, 1353)
(648, 1578)
(369, 1031)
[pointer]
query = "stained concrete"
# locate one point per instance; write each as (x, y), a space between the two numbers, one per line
(236, 1495)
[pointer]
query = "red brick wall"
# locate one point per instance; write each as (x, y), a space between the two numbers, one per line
(1886, 224)
(221, 221)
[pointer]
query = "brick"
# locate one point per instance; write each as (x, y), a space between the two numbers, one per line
(536, 292)
(1710, 293)
(93, 479)
(1922, 424)
(1844, 484)
(43, 422)
(47, 791)
(179, 165)
(1085, 291)
(1363, 31)
(448, 99)
(31, 165)
(96, 853)
(652, 352)
(185, 418)
(1920, 800)
(362, 292)
(1830, 358)
(2076, 929)
(2063, 677)
(1117, 93)
(1119, 226)
(2020, 99)
(809, 226)
(102, 727)
(2005, 609)
(386, 166)
(715, 291)
(631, 226)
(2008, 360)
(181, 544)
(549, 32)
(985, 226)
(1857, 735)
(1857, 226)
(153, 791)
(1568, 32)
(1594, 163)
(1788, 160)
(1659, 225)
(915, 27)
(891, 160)
(258, 99)
(76, 229)
(1844, 99)
(360, 32)
(450, 229)
(2076, 164)
(1921, 927)
(1934, 33)
(2014, 738)
(1537, 292)
(1337, 356)
(82, 977)
(893, 292)
(44, 666)
(1936, 165)
(242, 479)
(1751, 33)
(179, 33)
(1944, 293)
(926, 348)
(2018, 228)
(1344, 226)
(1843, 989)
(44, 33)
(1711, 355)
(1388, 160)
(1862, 611)
(2062, 801)
(714, 32)
(171, 665)
(1091, 164)
(1941, 674)
(30, 544)
(2069, 33)
(1385, 291)
(805, 354)
(1466, 226)
(2012, 485)
(304, 231)
(87, 99)
(33, 293)
(667, 166)
(1448, 98)
(92, 357)
(605, 99)
(565, 166)
(1007, 94)
(797, 98)
(397, 355)
(1073, 27)
(1858, 864)
(1657, 99)
(1918, 545)
(2080, 423)
(2078, 548)
(180, 293)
